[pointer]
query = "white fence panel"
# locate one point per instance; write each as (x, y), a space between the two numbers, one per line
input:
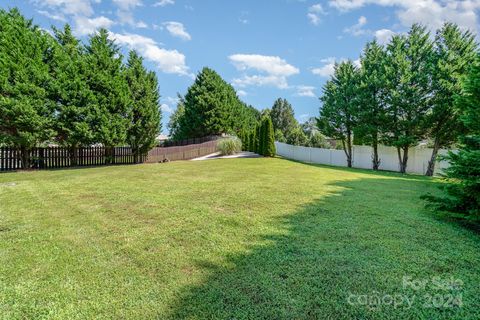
(362, 157)
(388, 158)
(322, 156)
(302, 154)
(338, 158)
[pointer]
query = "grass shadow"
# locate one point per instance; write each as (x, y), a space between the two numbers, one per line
(332, 253)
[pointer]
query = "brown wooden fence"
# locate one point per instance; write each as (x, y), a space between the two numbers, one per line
(59, 157)
(177, 143)
(160, 154)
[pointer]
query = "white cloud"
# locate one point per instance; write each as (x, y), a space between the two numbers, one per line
(168, 61)
(127, 4)
(383, 36)
(163, 3)
(177, 29)
(357, 29)
(429, 12)
(125, 12)
(274, 70)
(85, 26)
(305, 91)
(314, 13)
(80, 11)
(141, 24)
(327, 69)
(269, 64)
(260, 80)
(241, 93)
(166, 108)
(68, 7)
(58, 17)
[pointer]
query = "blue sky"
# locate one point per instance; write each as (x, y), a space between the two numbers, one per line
(265, 48)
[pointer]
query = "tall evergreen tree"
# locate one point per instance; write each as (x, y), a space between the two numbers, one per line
(338, 112)
(371, 109)
(209, 106)
(409, 64)
(283, 117)
(26, 116)
(251, 141)
(106, 79)
(455, 51)
(175, 123)
(463, 175)
(268, 138)
(145, 121)
(74, 101)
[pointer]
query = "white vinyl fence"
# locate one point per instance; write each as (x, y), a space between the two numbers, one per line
(418, 157)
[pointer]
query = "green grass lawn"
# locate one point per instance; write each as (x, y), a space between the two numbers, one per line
(229, 239)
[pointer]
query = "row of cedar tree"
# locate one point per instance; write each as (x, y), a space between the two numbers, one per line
(401, 93)
(55, 89)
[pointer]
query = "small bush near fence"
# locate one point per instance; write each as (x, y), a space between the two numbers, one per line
(229, 146)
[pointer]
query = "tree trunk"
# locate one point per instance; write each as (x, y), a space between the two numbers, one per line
(347, 148)
(73, 156)
(433, 159)
(136, 153)
(24, 157)
(375, 158)
(403, 160)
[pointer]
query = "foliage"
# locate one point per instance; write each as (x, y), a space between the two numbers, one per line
(27, 113)
(403, 94)
(371, 110)
(229, 145)
(282, 116)
(74, 101)
(279, 136)
(145, 116)
(455, 51)
(463, 175)
(106, 79)
(317, 140)
(55, 89)
(408, 70)
(297, 137)
(268, 149)
(340, 100)
(174, 124)
(212, 107)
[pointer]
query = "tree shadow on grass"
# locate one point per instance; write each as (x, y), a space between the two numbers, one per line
(333, 252)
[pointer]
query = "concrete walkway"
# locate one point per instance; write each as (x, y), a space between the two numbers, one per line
(216, 155)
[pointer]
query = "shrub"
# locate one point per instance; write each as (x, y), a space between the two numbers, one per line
(229, 146)
(268, 138)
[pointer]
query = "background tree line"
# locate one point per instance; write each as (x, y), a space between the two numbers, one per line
(401, 94)
(54, 89)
